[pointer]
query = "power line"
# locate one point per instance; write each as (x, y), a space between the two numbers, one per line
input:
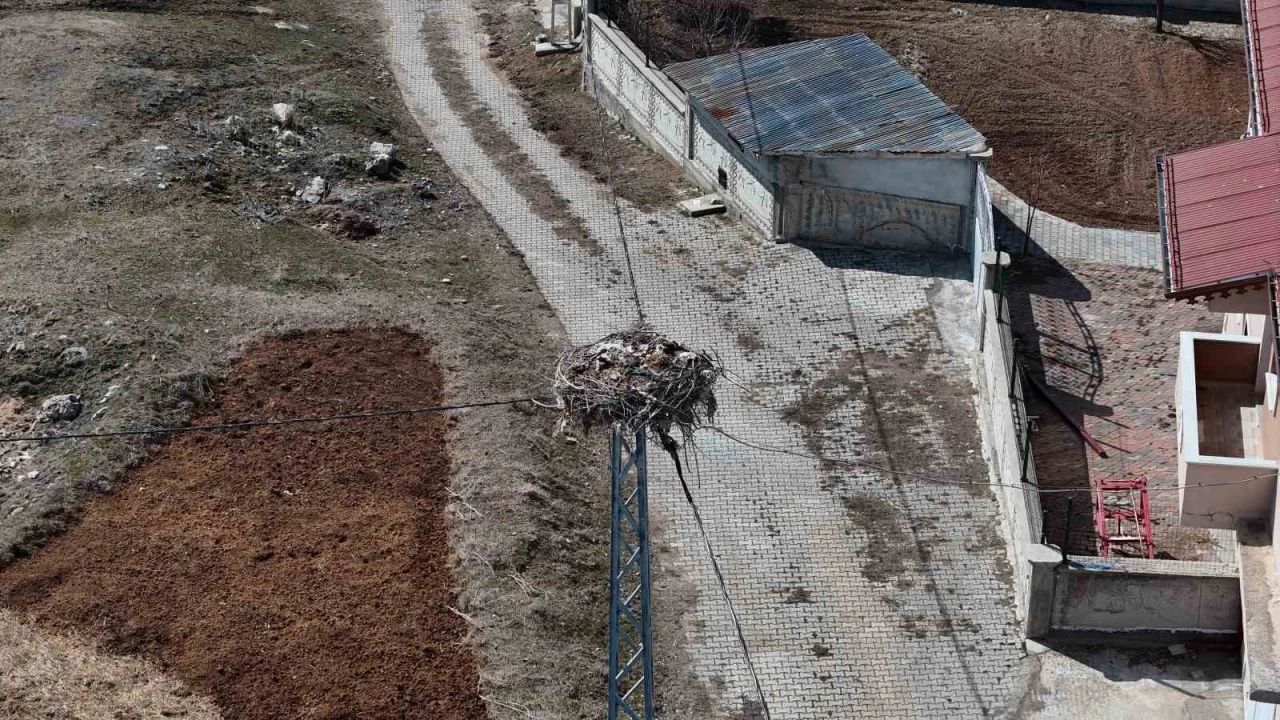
(376, 414)
(715, 566)
(948, 481)
(249, 424)
(613, 192)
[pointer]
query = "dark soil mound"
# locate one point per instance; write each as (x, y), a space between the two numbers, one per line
(299, 571)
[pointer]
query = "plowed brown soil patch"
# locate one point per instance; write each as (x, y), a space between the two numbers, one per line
(291, 572)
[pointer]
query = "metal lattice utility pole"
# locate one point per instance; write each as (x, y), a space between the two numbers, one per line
(630, 627)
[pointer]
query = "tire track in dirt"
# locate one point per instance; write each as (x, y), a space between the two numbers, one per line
(497, 144)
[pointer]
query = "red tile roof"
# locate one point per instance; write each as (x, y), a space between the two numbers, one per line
(1263, 18)
(1220, 212)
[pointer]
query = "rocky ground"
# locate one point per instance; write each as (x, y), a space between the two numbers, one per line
(157, 222)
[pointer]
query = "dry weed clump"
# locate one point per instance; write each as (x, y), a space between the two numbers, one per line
(55, 676)
(636, 380)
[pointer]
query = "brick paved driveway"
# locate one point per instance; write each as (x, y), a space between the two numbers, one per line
(1105, 341)
(1051, 236)
(860, 597)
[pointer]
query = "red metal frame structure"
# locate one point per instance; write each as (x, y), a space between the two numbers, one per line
(1122, 515)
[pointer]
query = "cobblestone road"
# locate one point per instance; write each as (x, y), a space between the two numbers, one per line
(859, 597)
(1062, 239)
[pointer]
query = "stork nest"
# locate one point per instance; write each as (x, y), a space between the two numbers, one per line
(636, 380)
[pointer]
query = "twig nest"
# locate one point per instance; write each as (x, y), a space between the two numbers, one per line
(636, 380)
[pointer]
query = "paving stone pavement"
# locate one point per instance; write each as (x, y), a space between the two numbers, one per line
(1051, 236)
(938, 638)
(1105, 342)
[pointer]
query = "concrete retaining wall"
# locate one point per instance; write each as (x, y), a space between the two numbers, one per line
(1137, 604)
(1018, 506)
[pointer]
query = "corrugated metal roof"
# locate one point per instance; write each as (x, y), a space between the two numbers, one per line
(841, 94)
(1222, 214)
(1263, 17)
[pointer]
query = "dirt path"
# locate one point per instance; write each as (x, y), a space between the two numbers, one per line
(291, 572)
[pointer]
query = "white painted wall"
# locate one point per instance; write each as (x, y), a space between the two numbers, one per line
(641, 96)
(984, 236)
(1239, 488)
(712, 153)
(658, 113)
(907, 202)
(1020, 508)
(871, 219)
(947, 179)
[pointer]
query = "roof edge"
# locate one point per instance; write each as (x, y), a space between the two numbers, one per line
(1219, 287)
(1164, 228)
(980, 151)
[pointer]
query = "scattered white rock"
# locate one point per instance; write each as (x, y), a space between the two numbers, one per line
(33, 474)
(74, 356)
(21, 458)
(337, 161)
(110, 393)
(425, 190)
(283, 25)
(284, 115)
(236, 128)
(446, 281)
(60, 407)
(261, 10)
(314, 191)
(161, 148)
(17, 348)
(381, 159)
(289, 138)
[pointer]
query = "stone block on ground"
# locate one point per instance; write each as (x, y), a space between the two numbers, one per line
(60, 407)
(381, 159)
(706, 205)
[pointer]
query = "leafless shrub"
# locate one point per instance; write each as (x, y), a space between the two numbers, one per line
(719, 26)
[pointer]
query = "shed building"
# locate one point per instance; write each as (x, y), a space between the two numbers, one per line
(831, 141)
